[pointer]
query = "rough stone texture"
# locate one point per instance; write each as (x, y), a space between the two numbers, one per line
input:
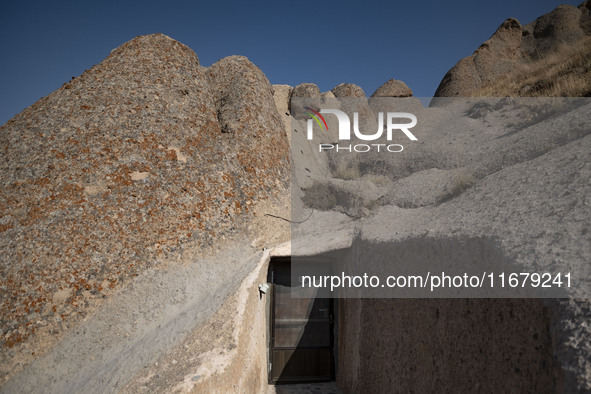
(585, 8)
(448, 346)
(281, 95)
(225, 354)
(464, 152)
(348, 90)
(492, 59)
(513, 43)
(422, 188)
(183, 159)
(327, 95)
(564, 24)
(306, 90)
(349, 328)
(245, 108)
(393, 88)
(143, 157)
(508, 173)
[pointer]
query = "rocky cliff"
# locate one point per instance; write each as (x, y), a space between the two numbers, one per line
(131, 230)
(541, 58)
(139, 160)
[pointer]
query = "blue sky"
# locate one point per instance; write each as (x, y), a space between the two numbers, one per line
(44, 44)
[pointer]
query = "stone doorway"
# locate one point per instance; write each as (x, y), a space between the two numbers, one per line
(301, 346)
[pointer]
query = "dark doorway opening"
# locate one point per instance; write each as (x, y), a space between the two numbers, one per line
(302, 339)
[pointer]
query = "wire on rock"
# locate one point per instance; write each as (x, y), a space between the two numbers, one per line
(291, 221)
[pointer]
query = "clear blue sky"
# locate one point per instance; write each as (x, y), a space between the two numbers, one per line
(44, 44)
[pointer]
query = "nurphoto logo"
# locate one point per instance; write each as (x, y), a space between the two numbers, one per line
(344, 130)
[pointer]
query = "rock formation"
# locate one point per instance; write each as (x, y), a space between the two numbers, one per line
(393, 88)
(134, 234)
(513, 46)
(348, 90)
(306, 90)
(493, 183)
(134, 163)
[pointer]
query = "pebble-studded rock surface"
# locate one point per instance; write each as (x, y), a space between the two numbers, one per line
(121, 169)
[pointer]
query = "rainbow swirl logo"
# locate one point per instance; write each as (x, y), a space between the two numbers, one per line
(315, 115)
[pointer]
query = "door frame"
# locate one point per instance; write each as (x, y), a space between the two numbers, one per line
(271, 328)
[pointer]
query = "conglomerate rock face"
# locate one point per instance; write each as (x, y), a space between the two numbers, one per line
(124, 167)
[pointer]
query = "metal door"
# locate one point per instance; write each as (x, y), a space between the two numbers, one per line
(301, 348)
